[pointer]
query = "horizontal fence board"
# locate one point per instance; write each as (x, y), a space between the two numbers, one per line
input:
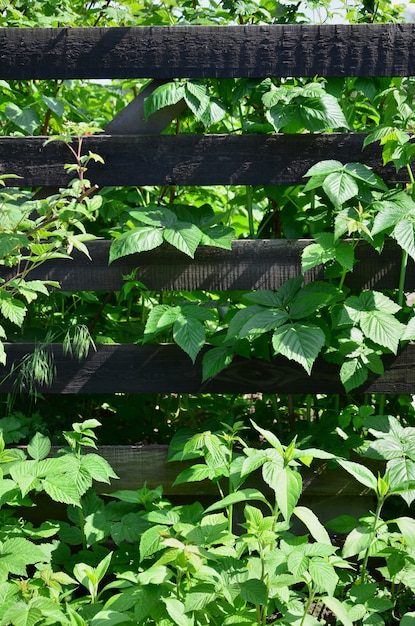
(165, 368)
(208, 51)
(278, 159)
(140, 465)
(251, 264)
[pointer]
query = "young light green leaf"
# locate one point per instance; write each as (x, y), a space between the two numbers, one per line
(340, 187)
(39, 447)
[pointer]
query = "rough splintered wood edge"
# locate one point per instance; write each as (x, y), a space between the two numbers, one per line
(126, 368)
(208, 51)
(268, 159)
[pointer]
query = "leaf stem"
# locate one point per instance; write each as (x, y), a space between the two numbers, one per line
(249, 208)
(402, 277)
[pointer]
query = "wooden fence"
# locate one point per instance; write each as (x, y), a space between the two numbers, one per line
(136, 154)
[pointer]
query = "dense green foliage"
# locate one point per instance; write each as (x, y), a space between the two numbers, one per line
(137, 558)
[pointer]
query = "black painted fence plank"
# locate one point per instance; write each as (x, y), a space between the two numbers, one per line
(188, 159)
(208, 51)
(251, 264)
(125, 368)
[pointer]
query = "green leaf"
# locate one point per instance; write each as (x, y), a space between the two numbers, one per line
(183, 236)
(98, 468)
(254, 591)
(287, 485)
(311, 298)
(263, 321)
(326, 167)
(321, 113)
(216, 360)
(154, 216)
(176, 610)
(160, 318)
(311, 521)
(197, 97)
(323, 575)
(12, 309)
(218, 236)
(243, 495)
(54, 105)
(61, 488)
(190, 335)
(407, 527)
(353, 374)
(107, 617)
(382, 328)
(404, 235)
(300, 342)
(340, 187)
(361, 473)
(357, 541)
(163, 96)
(199, 596)
(27, 119)
(339, 609)
(39, 447)
(408, 619)
(195, 473)
(150, 541)
(135, 240)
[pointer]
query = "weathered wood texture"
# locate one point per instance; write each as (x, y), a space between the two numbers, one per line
(136, 465)
(165, 368)
(251, 264)
(229, 51)
(189, 159)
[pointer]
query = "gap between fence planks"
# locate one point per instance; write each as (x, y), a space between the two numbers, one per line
(208, 51)
(277, 159)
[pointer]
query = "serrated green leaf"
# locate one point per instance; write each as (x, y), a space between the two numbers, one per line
(154, 216)
(216, 360)
(323, 575)
(183, 236)
(254, 591)
(159, 319)
(134, 241)
(382, 328)
(98, 467)
(190, 335)
(300, 342)
(358, 540)
(326, 167)
(163, 96)
(61, 488)
(340, 187)
(405, 236)
(197, 97)
(39, 447)
(12, 309)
